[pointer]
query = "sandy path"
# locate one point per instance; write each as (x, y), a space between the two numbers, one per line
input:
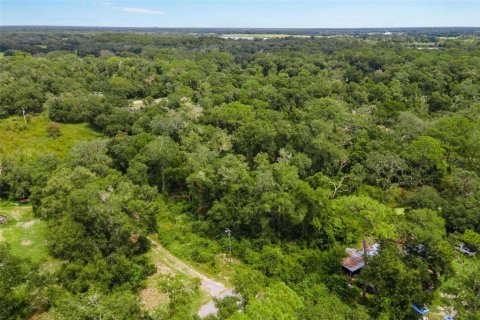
(214, 288)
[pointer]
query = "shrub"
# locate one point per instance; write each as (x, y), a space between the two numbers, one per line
(472, 238)
(53, 129)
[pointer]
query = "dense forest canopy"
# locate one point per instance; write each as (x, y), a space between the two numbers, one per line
(300, 147)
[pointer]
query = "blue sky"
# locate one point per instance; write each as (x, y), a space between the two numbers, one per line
(236, 13)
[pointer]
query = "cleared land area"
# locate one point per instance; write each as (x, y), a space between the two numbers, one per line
(25, 233)
(166, 263)
(31, 138)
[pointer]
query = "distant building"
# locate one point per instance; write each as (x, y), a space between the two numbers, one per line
(463, 248)
(355, 260)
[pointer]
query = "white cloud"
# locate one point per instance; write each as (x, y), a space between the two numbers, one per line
(130, 9)
(141, 10)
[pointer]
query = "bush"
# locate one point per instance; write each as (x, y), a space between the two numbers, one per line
(472, 238)
(53, 130)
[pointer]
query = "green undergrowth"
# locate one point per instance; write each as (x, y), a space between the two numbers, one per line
(184, 238)
(31, 138)
(443, 296)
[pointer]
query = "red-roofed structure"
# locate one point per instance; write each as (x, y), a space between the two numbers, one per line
(355, 261)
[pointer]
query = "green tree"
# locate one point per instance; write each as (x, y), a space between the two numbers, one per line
(355, 217)
(424, 235)
(91, 155)
(16, 277)
(180, 294)
(427, 156)
(159, 155)
(398, 285)
(95, 305)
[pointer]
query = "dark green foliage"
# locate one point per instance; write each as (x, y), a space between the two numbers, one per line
(20, 286)
(25, 176)
(424, 197)
(399, 282)
(13, 273)
(425, 236)
(180, 295)
(226, 307)
(472, 238)
(94, 305)
(111, 215)
(321, 304)
(301, 147)
(74, 107)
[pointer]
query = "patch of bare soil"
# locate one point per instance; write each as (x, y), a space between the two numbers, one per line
(26, 242)
(151, 298)
(28, 224)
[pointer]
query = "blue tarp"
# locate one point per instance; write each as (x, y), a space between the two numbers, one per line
(449, 318)
(420, 310)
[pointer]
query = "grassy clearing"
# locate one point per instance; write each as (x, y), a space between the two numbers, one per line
(24, 232)
(27, 237)
(18, 137)
(151, 296)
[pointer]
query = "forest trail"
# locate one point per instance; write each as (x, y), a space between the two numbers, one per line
(214, 288)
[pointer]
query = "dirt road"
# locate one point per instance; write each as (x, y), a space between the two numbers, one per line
(214, 288)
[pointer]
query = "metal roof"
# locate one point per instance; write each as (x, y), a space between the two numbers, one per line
(355, 260)
(420, 310)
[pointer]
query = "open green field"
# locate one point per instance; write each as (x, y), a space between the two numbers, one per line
(25, 233)
(16, 136)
